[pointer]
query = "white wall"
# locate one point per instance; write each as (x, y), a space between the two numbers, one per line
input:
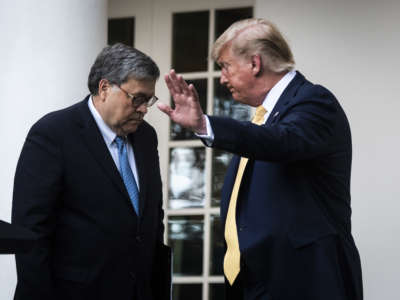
(352, 47)
(47, 48)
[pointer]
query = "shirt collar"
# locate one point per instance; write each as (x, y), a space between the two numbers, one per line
(105, 130)
(275, 93)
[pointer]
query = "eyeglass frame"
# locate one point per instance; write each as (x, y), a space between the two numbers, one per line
(149, 100)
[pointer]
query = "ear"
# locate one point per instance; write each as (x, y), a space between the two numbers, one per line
(256, 64)
(103, 88)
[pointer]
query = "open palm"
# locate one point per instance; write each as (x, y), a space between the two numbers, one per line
(187, 112)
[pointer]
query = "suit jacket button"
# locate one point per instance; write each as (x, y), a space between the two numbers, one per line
(139, 238)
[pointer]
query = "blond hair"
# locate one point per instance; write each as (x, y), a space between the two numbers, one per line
(257, 36)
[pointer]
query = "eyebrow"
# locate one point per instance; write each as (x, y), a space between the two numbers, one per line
(140, 94)
(223, 64)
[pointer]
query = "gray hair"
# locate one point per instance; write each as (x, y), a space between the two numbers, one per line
(257, 36)
(118, 64)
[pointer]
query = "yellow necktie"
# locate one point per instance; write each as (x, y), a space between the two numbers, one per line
(232, 255)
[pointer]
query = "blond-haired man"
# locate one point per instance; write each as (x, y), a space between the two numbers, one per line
(286, 198)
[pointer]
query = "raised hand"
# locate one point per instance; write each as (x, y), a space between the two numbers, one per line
(187, 112)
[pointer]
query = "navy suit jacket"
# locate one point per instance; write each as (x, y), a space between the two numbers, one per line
(68, 190)
(15, 239)
(293, 211)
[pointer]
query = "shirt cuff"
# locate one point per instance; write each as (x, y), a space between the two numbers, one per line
(209, 137)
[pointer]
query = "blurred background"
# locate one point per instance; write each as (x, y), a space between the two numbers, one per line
(350, 46)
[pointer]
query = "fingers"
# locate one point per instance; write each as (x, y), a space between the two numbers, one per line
(173, 88)
(182, 93)
(183, 85)
(176, 84)
(194, 92)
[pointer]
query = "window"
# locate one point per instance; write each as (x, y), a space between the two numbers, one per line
(196, 173)
(121, 30)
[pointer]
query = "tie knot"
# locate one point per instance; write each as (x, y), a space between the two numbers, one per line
(259, 115)
(120, 141)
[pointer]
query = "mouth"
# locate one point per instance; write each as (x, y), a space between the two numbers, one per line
(231, 89)
(135, 120)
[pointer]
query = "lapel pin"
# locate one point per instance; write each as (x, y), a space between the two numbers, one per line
(277, 113)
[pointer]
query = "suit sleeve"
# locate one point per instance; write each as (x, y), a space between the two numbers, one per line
(161, 273)
(37, 187)
(305, 131)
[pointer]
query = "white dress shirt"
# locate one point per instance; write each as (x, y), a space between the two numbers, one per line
(269, 103)
(109, 137)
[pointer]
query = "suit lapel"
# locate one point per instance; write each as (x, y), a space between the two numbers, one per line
(284, 99)
(95, 143)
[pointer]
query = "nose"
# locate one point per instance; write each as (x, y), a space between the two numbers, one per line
(142, 108)
(223, 80)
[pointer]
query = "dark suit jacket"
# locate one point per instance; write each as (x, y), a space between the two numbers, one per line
(68, 190)
(15, 239)
(293, 211)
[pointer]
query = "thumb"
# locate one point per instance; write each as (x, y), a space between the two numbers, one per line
(165, 108)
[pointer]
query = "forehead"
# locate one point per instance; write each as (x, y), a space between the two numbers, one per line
(139, 86)
(225, 54)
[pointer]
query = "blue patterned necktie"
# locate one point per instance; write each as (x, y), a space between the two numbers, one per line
(126, 173)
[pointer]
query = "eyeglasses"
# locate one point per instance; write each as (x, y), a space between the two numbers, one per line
(138, 100)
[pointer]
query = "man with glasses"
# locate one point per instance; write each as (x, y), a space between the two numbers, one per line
(88, 183)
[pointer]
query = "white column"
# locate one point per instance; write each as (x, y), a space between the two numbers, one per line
(46, 50)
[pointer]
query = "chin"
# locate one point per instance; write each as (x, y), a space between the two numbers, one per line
(131, 129)
(237, 98)
(246, 101)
